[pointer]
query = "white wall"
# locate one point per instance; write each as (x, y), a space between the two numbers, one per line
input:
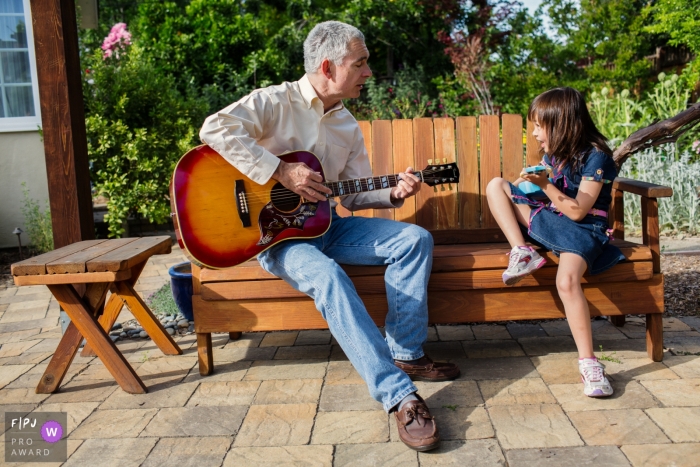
(21, 160)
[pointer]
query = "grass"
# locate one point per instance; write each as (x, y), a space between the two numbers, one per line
(162, 302)
(608, 358)
(451, 407)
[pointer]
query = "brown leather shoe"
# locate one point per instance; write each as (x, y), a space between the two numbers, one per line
(424, 369)
(417, 428)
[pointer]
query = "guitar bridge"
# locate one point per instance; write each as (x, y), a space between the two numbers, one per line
(242, 204)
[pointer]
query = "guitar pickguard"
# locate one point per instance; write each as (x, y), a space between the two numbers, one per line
(272, 222)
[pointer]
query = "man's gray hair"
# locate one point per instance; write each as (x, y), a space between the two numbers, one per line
(330, 40)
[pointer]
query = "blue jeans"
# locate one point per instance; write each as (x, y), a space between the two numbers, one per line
(312, 266)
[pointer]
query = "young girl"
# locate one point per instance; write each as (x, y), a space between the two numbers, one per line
(572, 221)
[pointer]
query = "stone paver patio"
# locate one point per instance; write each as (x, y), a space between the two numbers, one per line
(292, 398)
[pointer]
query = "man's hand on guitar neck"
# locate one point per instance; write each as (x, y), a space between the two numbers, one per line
(408, 185)
(303, 181)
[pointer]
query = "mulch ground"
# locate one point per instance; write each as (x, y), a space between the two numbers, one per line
(682, 280)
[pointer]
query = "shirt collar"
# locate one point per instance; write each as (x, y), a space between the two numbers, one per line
(309, 94)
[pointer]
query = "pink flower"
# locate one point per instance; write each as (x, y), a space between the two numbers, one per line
(117, 39)
(696, 146)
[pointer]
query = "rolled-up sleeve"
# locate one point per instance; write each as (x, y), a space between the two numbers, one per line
(234, 132)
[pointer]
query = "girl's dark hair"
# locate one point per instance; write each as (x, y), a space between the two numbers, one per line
(563, 114)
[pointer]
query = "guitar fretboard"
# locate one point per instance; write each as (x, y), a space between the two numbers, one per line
(359, 185)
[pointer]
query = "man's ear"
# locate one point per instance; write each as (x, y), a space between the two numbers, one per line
(326, 68)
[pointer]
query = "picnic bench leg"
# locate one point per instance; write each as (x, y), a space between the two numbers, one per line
(234, 336)
(655, 336)
(204, 353)
(108, 353)
(145, 317)
(113, 308)
(68, 346)
(617, 320)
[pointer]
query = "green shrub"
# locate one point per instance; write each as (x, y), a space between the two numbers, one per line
(37, 223)
(162, 301)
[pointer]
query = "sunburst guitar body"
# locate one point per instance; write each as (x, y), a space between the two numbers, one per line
(222, 218)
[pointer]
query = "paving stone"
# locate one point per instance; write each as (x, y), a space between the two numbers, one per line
(676, 393)
(592, 456)
(432, 334)
(682, 345)
(522, 330)
(19, 335)
(639, 369)
(343, 397)
(455, 333)
(290, 391)
(20, 408)
(280, 456)
(534, 346)
(617, 427)
(682, 425)
(626, 348)
(189, 452)
(314, 337)
(24, 305)
(279, 338)
(460, 393)
(166, 394)
(286, 369)
(27, 358)
(46, 345)
(16, 316)
(114, 424)
(166, 369)
(83, 391)
(354, 427)
(96, 371)
(196, 421)
(300, 352)
(236, 354)
(496, 368)
(247, 339)
(628, 395)
(125, 452)
(379, 454)
(492, 348)
(533, 426)
(35, 297)
(337, 354)
(224, 393)
(557, 369)
(21, 396)
(77, 412)
(342, 373)
(230, 371)
(33, 290)
(441, 351)
(524, 391)
(17, 348)
(691, 321)
(663, 455)
(10, 373)
(277, 425)
(674, 325)
(463, 423)
(28, 324)
(490, 331)
(474, 453)
(687, 367)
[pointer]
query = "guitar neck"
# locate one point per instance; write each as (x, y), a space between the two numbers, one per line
(361, 185)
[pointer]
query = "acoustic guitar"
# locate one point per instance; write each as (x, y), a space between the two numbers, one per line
(222, 218)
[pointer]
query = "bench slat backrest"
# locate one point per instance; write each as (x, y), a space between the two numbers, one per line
(484, 147)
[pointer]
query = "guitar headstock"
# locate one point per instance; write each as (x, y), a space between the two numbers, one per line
(438, 174)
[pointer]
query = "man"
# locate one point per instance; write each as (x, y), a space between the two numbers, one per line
(309, 115)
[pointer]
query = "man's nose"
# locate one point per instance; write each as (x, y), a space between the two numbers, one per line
(368, 72)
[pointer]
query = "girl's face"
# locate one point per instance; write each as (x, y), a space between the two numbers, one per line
(542, 137)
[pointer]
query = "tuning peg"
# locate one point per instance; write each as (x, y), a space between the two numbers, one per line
(435, 189)
(444, 160)
(430, 161)
(442, 187)
(449, 185)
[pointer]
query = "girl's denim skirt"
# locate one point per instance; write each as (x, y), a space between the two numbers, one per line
(557, 233)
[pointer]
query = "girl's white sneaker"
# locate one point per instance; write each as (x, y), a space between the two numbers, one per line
(595, 384)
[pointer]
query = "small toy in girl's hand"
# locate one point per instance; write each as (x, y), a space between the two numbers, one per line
(537, 169)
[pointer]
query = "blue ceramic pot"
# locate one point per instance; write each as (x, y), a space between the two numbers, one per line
(181, 285)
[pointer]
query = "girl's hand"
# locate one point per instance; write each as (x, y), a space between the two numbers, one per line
(541, 179)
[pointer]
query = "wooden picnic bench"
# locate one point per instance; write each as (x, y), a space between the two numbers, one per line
(470, 250)
(79, 276)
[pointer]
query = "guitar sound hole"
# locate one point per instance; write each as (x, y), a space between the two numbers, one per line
(283, 199)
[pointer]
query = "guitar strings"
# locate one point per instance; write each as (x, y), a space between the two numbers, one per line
(255, 199)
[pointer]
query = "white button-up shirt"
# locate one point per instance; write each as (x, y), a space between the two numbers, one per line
(290, 117)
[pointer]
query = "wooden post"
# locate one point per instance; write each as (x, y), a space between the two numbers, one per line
(63, 120)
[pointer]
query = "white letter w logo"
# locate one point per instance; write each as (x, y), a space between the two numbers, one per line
(52, 431)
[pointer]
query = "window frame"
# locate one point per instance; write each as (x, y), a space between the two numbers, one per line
(17, 124)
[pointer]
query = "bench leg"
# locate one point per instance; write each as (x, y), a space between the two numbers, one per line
(204, 352)
(655, 337)
(617, 320)
(234, 336)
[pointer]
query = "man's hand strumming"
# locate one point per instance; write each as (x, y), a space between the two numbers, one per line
(303, 181)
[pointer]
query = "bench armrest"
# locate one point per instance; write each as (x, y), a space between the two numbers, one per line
(646, 189)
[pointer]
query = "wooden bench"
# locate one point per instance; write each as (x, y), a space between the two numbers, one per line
(79, 276)
(470, 250)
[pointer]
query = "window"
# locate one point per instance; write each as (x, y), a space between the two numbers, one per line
(19, 94)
